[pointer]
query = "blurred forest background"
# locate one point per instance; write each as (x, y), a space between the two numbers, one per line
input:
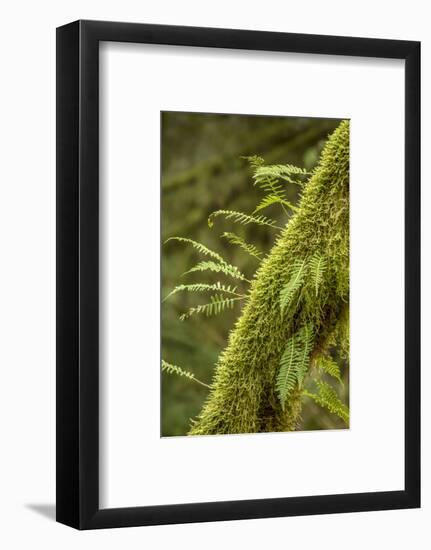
(202, 171)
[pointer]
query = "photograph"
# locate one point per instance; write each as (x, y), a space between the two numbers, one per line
(254, 273)
(214, 239)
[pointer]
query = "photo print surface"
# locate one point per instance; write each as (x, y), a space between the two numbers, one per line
(255, 274)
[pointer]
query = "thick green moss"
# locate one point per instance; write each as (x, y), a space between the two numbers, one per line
(243, 398)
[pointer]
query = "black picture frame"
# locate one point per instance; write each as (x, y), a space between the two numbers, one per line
(78, 274)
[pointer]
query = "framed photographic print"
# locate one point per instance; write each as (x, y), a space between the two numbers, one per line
(238, 274)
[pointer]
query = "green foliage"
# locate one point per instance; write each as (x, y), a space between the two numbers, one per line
(255, 161)
(318, 266)
(288, 292)
(243, 219)
(227, 269)
(257, 386)
(247, 247)
(306, 341)
(174, 369)
(203, 287)
(201, 172)
(328, 365)
(287, 377)
(294, 362)
(218, 304)
(199, 247)
(269, 200)
(268, 179)
(265, 176)
(269, 183)
(219, 266)
(314, 269)
(328, 398)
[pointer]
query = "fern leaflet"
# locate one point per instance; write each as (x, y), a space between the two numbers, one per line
(199, 247)
(217, 305)
(270, 185)
(174, 369)
(328, 365)
(328, 398)
(203, 287)
(255, 161)
(306, 340)
(268, 200)
(294, 362)
(250, 248)
(294, 283)
(242, 218)
(224, 267)
(286, 172)
(318, 265)
(288, 372)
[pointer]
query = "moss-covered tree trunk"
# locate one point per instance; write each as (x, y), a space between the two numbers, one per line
(244, 397)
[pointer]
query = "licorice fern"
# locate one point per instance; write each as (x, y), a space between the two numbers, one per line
(217, 305)
(227, 269)
(203, 287)
(287, 377)
(258, 383)
(247, 247)
(199, 247)
(255, 161)
(268, 183)
(221, 265)
(275, 172)
(243, 219)
(328, 398)
(297, 275)
(270, 199)
(260, 377)
(306, 341)
(326, 364)
(174, 369)
(268, 179)
(318, 266)
(294, 362)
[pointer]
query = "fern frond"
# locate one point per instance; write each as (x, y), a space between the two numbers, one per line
(287, 376)
(305, 340)
(242, 218)
(174, 369)
(218, 304)
(203, 287)
(249, 248)
(268, 200)
(328, 365)
(342, 333)
(255, 161)
(328, 398)
(287, 172)
(227, 269)
(294, 362)
(199, 247)
(271, 185)
(318, 266)
(294, 283)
